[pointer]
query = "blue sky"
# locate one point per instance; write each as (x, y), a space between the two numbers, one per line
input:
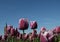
(45, 12)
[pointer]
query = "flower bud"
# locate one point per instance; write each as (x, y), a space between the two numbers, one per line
(33, 24)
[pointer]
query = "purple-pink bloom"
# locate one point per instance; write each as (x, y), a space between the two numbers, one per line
(9, 29)
(33, 24)
(43, 29)
(23, 24)
(12, 31)
(58, 29)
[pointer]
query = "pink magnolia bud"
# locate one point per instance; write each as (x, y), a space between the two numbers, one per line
(33, 24)
(0, 37)
(58, 29)
(9, 28)
(43, 29)
(12, 31)
(23, 24)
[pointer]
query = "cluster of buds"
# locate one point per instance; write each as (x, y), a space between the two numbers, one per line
(44, 35)
(49, 35)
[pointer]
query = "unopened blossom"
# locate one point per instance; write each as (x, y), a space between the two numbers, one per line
(58, 29)
(23, 24)
(43, 29)
(9, 29)
(33, 24)
(12, 32)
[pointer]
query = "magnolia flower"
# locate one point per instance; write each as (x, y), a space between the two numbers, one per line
(23, 24)
(43, 29)
(33, 24)
(12, 31)
(58, 29)
(9, 29)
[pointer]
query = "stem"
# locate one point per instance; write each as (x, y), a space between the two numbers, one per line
(12, 39)
(23, 31)
(34, 40)
(23, 34)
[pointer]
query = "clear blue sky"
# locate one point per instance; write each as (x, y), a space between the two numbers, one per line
(45, 12)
